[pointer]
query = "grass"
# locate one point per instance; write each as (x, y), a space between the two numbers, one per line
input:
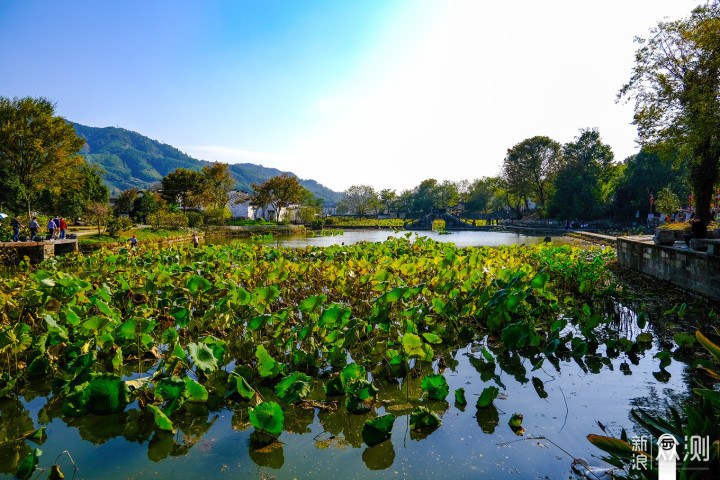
(686, 226)
(142, 234)
(241, 223)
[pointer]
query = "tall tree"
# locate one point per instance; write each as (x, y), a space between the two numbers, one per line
(580, 186)
(530, 166)
(280, 192)
(39, 148)
(388, 200)
(676, 88)
(360, 200)
(180, 185)
(214, 188)
(124, 202)
(425, 196)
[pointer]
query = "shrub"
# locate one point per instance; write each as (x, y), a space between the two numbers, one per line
(217, 216)
(117, 225)
(171, 221)
(195, 219)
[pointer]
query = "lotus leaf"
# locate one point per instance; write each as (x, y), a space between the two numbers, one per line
(203, 357)
(28, 464)
(487, 396)
(238, 385)
(267, 418)
(173, 391)
(377, 430)
(351, 373)
(195, 391)
(423, 418)
(294, 387)
(161, 420)
(436, 386)
(460, 396)
(268, 367)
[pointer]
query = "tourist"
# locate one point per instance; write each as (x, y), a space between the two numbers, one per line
(15, 224)
(133, 241)
(34, 227)
(56, 221)
(63, 227)
(50, 229)
(196, 240)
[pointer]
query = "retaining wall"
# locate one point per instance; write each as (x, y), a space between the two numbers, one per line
(688, 269)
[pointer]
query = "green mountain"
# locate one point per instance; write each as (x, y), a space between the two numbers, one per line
(132, 160)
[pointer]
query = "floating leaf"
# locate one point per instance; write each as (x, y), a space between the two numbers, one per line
(172, 391)
(423, 418)
(294, 387)
(161, 420)
(684, 340)
(664, 357)
(377, 430)
(239, 385)
(268, 367)
(28, 464)
(267, 418)
(203, 357)
(195, 391)
(487, 396)
(515, 420)
(351, 373)
(436, 386)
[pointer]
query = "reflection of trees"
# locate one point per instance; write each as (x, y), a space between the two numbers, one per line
(16, 423)
(379, 457)
(297, 419)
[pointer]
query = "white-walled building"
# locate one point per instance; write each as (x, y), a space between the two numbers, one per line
(239, 206)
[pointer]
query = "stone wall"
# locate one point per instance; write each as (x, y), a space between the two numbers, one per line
(688, 269)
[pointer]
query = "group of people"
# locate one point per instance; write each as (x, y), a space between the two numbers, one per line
(56, 228)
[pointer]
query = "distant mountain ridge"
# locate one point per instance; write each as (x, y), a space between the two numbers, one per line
(132, 160)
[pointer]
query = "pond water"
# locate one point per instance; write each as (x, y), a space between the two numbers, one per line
(460, 239)
(563, 402)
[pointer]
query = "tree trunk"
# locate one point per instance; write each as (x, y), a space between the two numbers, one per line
(704, 173)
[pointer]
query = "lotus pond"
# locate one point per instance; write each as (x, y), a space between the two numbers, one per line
(401, 358)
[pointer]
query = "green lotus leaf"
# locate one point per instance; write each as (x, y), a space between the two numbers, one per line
(423, 418)
(294, 387)
(39, 367)
(15, 339)
(181, 316)
(197, 283)
(173, 391)
(334, 387)
(238, 385)
(487, 396)
(267, 418)
(28, 464)
(161, 420)
(431, 338)
(195, 391)
(351, 373)
(203, 357)
(38, 436)
(460, 396)
(516, 420)
(268, 367)
(267, 294)
(362, 389)
(55, 473)
(436, 386)
(377, 430)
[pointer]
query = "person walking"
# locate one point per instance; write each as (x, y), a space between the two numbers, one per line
(56, 221)
(133, 241)
(63, 227)
(196, 240)
(50, 229)
(15, 224)
(34, 228)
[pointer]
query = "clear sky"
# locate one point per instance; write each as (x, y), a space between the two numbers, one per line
(380, 92)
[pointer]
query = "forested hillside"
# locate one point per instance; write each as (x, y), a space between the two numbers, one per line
(132, 160)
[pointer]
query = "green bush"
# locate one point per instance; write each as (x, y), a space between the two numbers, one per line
(195, 219)
(117, 225)
(172, 221)
(217, 216)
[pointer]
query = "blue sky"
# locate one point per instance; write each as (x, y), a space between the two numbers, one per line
(386, 93)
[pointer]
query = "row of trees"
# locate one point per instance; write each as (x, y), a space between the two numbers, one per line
(40, 166)
(576, 180)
